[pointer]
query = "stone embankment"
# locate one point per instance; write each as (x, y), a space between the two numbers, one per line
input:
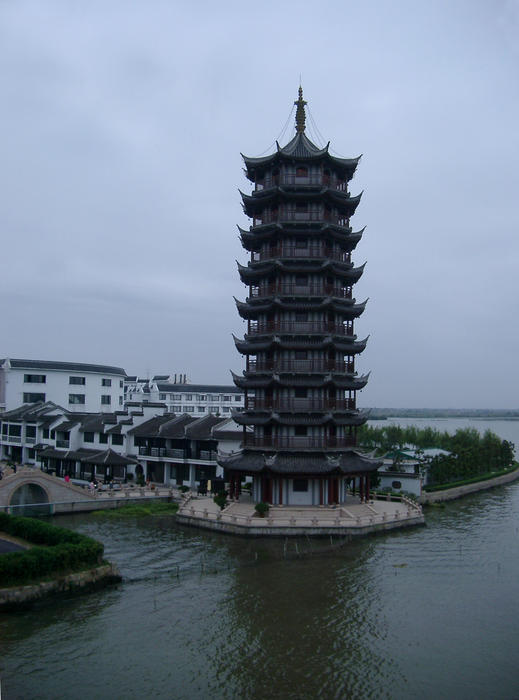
(353, 518)
(18, 596)
(465, 490)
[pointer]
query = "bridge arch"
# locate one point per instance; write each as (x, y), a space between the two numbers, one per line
(25, 494)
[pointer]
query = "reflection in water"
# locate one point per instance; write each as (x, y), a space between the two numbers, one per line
(429, 612)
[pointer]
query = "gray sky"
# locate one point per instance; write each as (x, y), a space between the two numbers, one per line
(122, 124)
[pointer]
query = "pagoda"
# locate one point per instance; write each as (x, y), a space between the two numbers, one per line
(300, 380)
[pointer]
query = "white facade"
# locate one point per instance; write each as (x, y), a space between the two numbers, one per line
(77, 387)
(194, 399)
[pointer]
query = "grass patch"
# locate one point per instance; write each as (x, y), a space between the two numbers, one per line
(137, 510)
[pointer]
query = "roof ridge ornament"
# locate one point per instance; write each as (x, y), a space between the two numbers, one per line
(300, 112)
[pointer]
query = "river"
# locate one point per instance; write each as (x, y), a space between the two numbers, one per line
(423, 613)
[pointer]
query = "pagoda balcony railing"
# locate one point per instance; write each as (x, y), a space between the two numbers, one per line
(301, 290)
(301, 327)
(312, 251)
(286, 179)
(294, 404)
(298, 441)
(276, 216)
(298, 366)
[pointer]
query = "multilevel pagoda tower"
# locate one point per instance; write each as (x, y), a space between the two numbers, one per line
(300, 380)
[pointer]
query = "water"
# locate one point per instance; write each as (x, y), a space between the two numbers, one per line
(430, 613)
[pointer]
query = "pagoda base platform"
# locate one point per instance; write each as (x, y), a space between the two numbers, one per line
(348, 519)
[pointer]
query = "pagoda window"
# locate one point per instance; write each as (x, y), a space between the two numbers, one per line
(300, 430)
(301, 171)
(301, 316)
(301, 280)
(301, 354)
(302, 243)
(300, 392)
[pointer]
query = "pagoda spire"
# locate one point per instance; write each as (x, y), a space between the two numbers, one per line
(300, 112)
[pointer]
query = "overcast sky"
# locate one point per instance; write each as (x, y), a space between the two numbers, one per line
(122, 125)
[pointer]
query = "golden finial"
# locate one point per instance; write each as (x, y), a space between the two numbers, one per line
(300, 112)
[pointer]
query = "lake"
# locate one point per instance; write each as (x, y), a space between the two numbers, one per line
(429, 612)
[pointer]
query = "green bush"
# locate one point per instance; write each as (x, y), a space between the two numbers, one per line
(221, 499)
(57, 551)
(262, 508)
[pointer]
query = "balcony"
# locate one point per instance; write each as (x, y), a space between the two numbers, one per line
(289, 216)
(63, 443)
(296, 442)
(300, 327)
(312, 251)
(14, 439)
(318, 290)
(294, 404)
(161, 452)
(30, 440)
(318, 180)
(298, 366)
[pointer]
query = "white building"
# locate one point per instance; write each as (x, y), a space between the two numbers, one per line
(180, 397)
(76, 386)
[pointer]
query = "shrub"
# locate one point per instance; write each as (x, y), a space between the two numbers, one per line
(57, 551)
(261, 508)
(221, 499)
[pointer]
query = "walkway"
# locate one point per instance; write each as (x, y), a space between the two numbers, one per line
(353, 517)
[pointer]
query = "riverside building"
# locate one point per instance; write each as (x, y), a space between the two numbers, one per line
(300, 379)
(77, 386)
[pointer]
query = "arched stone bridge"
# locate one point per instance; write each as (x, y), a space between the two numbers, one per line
(56, 490)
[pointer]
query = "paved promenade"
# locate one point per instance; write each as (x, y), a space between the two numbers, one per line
(353, 517)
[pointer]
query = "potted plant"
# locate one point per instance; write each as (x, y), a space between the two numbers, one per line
(262, 508)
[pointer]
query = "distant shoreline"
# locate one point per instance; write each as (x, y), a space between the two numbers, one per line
(484, 413)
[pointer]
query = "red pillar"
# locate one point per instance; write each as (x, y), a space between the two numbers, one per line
(336, 490)
(269, 490)
(367, 487)
(361, 489)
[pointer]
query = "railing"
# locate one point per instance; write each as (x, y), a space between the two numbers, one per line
(320, 180)
(301, 290)
(284, 216)
(303, 327)
(312, 251)
(12, 438)
(62, 443)
(301, 404)
(297, 366)
(161, 452)
(298, 441)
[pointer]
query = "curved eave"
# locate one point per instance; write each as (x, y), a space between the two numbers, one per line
(353, 418)
(319, 463)
(251, 311)
(339, 342)
(255, 271)
(252, 239)
(254, 203)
